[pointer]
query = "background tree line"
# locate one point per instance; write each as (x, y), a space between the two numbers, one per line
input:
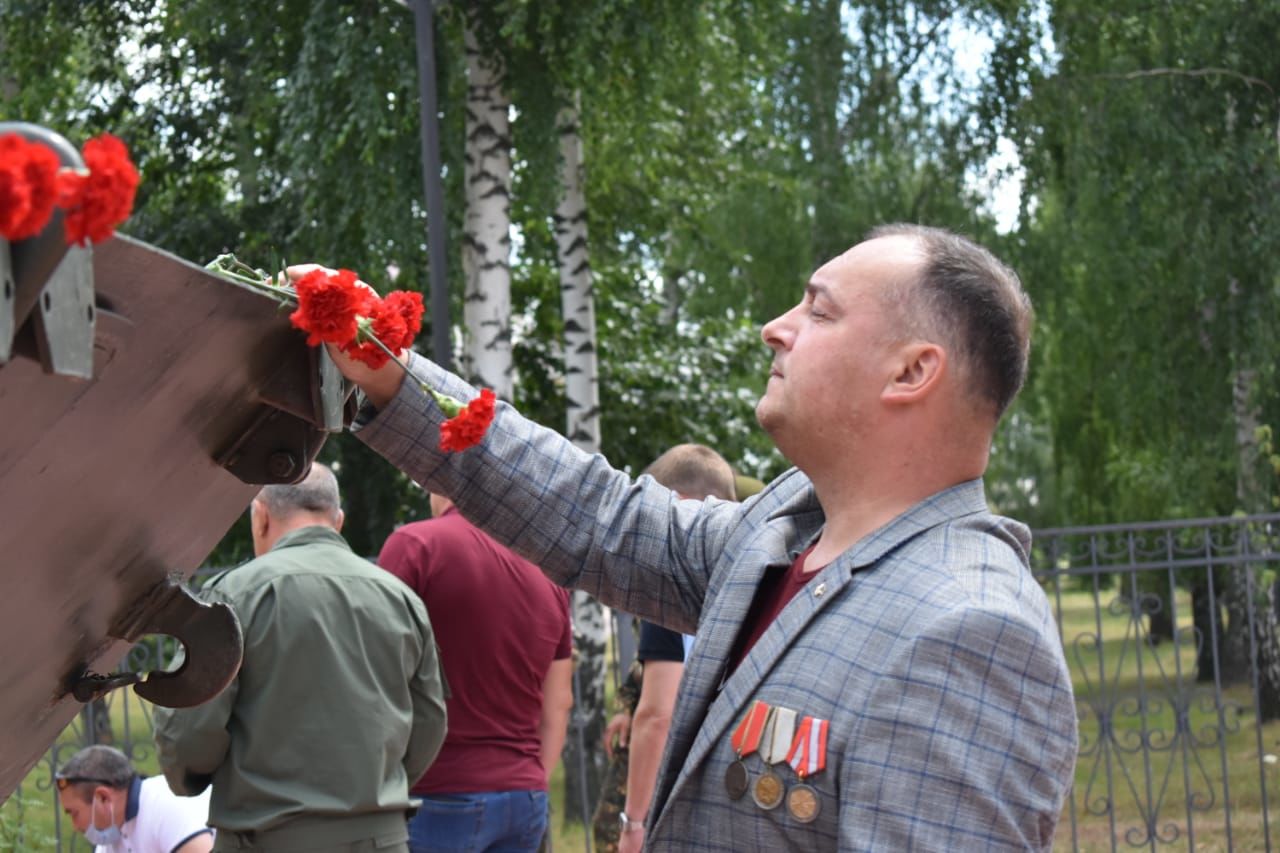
(634, 186)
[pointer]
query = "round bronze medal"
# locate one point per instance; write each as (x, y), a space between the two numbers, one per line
(803, 803)
(737, 780)
(768, 790)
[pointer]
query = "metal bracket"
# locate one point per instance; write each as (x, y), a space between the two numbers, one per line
(7, 290)
(210, 635)
(276, 448)
(66, 317)
(333, 391)
(286, 434)
(91, 685)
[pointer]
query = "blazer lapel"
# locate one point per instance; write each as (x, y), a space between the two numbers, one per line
(720, 702)
(742, 685)
(780, 540)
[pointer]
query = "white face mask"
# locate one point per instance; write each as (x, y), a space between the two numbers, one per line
(102, 837)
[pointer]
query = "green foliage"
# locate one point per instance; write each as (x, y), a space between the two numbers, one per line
(1150, 245)
(18, 835)
(731, 145)
(696, 380)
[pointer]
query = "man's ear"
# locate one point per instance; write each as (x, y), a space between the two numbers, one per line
(337, 521)
(259, 521)
(102, 794)
(920, 369)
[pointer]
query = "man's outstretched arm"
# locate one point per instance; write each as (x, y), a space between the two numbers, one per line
(632, 544)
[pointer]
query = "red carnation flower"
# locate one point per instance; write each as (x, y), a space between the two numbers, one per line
(328, 306)
(467, 428)
(409, 306)
(28, 186)
(386, 324)
(99, 201)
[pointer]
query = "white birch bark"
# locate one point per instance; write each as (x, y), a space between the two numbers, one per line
(1240, 655)
(577, 299)
(582, 397)
(486, 250)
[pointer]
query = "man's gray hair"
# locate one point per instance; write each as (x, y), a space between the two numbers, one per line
(97, 765)
(317, 494)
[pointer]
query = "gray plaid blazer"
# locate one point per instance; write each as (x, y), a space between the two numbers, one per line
(928, 645)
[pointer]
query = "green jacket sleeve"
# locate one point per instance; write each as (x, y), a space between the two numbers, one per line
(191, 743)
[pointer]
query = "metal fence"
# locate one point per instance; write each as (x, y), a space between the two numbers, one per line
(1167, 628)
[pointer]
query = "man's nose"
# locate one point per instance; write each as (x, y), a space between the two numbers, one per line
(777, 332)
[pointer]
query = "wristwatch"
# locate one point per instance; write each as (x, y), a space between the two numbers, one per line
(630, 824)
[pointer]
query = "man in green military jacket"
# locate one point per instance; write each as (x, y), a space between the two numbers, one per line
(339, 705)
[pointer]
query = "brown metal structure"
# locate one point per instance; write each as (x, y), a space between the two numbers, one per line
(120, 473)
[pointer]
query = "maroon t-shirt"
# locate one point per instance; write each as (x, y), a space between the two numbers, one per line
(499, 624)
(778, 586)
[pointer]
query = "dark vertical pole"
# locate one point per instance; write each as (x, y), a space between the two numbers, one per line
(424, 23)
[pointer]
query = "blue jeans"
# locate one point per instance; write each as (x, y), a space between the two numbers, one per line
(500, 822)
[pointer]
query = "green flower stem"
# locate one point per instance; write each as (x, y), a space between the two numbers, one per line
(448, 405)
(233, 269)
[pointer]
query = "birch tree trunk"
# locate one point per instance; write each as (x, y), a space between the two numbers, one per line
(577, 299)
(486, 249)
(1244, 608)
(1236, 657)
(584, 760)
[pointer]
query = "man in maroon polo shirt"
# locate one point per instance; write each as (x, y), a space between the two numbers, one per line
(505, 650)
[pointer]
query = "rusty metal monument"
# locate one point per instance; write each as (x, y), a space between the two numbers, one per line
(144, 401)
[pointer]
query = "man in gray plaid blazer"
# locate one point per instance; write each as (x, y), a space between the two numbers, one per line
(875, 667)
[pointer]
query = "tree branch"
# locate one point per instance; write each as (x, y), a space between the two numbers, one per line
(1190, 72)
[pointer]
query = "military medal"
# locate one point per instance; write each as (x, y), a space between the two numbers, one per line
(745, 740)
(736, 780)
(769, 789)
(802, 803)
(808, 756)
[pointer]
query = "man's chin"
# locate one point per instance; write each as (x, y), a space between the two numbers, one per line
(768, 416)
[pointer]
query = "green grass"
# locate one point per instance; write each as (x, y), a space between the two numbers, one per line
(565, 836)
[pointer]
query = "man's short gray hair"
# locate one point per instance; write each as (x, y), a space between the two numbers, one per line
(317, 494)
(97, 765)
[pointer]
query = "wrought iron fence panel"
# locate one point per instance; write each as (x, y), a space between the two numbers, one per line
(1163, 739)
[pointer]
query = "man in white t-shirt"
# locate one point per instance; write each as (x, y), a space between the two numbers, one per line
(118, 811)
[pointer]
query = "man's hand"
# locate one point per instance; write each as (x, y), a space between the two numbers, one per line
(380, 385)
(619, 730)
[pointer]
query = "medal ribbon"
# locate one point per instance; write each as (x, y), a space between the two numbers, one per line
(747, 736)
(809, 748)
(778, 736)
